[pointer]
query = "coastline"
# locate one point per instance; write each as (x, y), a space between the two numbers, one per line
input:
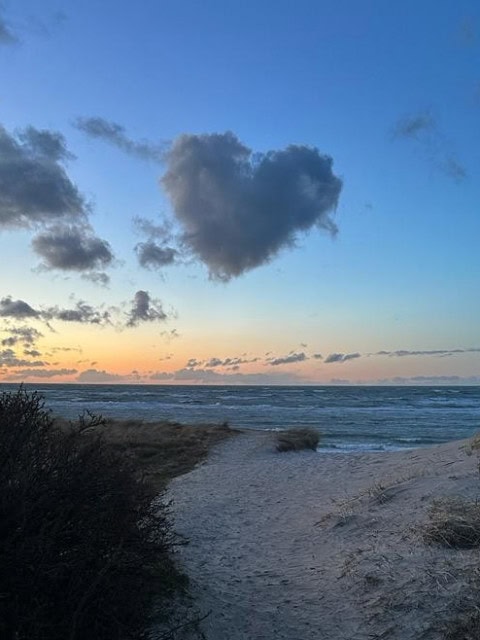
(308, 546)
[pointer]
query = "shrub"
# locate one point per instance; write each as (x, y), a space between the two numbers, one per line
(454, 523)
(83, 551)
(297, 439)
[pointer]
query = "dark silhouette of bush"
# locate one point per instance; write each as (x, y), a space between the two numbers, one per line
(84, 552)
(297, 439)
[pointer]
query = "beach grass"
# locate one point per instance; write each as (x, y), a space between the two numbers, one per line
(160, 451)
(297, 439)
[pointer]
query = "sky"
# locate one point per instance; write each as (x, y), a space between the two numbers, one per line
(240, 193)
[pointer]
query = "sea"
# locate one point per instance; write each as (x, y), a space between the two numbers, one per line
(349, 418)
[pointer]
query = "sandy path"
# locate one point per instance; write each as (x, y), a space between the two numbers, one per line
(321, 546)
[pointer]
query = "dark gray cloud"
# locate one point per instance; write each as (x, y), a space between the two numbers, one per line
(115, 134)
(21, 310)
(341, 357)
(145, 309)
(238, 209)
(291, 358)
(423, 130)
(72, 249)
(154, 256)
(18, 309)
(317, 356)
(156, 252)
(82, 313)
(23, 335)
(214, 362)
(8, 358)
(400, 353)
(33, 353)
(34, 187)
(193, 362)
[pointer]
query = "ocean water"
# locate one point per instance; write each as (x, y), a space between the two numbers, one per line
(349, 418)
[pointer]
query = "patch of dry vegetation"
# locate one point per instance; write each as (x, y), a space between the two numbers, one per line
(465, 627)
(454, 523)
(297, 439)
(160, 451)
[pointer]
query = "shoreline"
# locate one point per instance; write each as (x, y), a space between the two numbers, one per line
(301, 545)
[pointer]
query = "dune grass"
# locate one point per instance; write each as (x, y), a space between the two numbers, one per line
(162, 450)
(297, 439)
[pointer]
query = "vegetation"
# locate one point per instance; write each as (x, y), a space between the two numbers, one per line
(160, 451)
(454, 523)
(84, 551)
(465, 627)
(297, 439)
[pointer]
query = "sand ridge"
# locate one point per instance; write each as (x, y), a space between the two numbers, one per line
(321, 546)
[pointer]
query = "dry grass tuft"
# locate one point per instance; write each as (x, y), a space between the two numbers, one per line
(454, 523)
(297, 439)
(465, 627)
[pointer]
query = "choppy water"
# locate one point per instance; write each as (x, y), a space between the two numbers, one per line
(349, 418)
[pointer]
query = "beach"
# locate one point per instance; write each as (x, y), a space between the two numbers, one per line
(310, 545)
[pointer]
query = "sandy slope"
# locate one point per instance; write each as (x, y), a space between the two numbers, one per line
(321, 546)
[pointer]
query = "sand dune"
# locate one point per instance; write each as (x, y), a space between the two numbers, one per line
(322, 546)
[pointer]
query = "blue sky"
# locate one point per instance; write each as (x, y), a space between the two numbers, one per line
(389, 91)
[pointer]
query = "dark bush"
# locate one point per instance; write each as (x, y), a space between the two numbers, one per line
(297, 439)
(83, 551)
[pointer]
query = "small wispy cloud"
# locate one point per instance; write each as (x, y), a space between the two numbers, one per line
(341, 357)
(23, 335)
(422, 128)
(289, 359)
(116, 135)
(82, 313)
(401, 353)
